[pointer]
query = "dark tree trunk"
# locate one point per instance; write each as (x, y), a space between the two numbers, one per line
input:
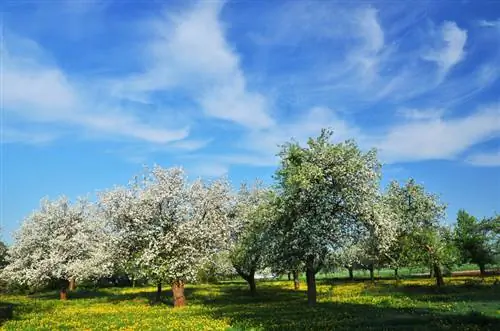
(296, 281)
(396, 274)
(63, 293)
(72, 284)
(311, 286)
(289, 275)
(351, 273)
(439, 275)
(178, 293)
(251, 284)
(158, 292)
(250, 279)
(372, 276)
(431, 272)
(482, 269)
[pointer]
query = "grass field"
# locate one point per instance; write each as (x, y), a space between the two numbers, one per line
(464, 304)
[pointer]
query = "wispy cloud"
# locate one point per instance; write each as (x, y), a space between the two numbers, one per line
(485, 159)
(188, 51)
(436, 139)
(449, 49)
(12, 135)
(38, 91)
(490, 24)
(421, 114)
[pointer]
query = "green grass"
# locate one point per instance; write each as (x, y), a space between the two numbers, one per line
(463, 304)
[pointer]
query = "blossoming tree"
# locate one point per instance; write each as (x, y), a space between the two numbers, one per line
(167, 226)
(328, 192)
(420, 213)
(59, 241)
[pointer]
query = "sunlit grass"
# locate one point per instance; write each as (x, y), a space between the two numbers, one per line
(464, 304)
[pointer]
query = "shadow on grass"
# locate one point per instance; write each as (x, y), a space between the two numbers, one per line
(13, 311)
(280, 309)
(447, 293)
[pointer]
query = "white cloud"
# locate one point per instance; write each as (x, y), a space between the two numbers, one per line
(208, 169)
(421, 114)
(189, 51)
(438, 138)
(490, 24)
(11, 135)
(449, 50)
(40, 92)
(485, 159)
(367, 56)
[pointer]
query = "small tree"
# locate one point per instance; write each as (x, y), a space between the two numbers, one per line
(419, 214)
(473, 240)
(248, 239)
(60, 241)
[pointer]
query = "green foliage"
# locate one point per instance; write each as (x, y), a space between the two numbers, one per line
(477, 241)
(254, 212)
(419, 233)
(3, 255)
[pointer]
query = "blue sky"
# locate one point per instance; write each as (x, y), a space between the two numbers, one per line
(92, 90)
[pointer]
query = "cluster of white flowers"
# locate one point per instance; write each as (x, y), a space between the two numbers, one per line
(168, 226)
(59, 241)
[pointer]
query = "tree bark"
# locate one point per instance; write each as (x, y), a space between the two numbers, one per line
(158, 292)
(439, 275)
(351, 273)
(289, 276)
(296, 281)
(251, 284)
(311, 286)
(396, 275)
(431, 272)
(72, 284)
(372, 275)
(178, 293)
(63, 293)
(482, 269)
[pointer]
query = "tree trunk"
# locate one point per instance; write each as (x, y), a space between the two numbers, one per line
(133, 281)
(431, 272)
(63, 293)
(482, 270)
(439, 275)
(296, 281)
(178, 293)
(251, 284)
(351, 273)
(289, 276)
(158, 292)
(396, 275)
(72, 284)
(311, 286)
(372, 275)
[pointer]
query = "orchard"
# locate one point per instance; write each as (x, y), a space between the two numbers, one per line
(325, 219)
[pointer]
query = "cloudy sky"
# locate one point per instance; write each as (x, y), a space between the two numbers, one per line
(92, 90)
